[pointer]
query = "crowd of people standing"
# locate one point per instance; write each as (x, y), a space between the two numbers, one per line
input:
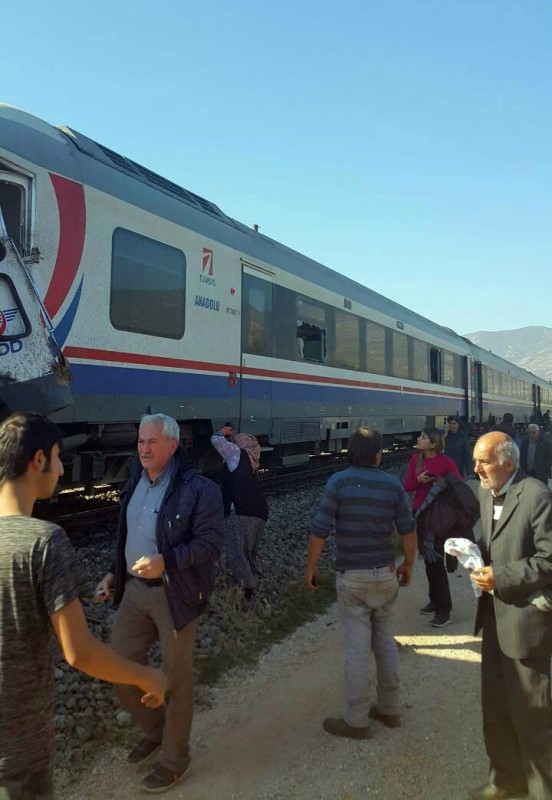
(173, 526)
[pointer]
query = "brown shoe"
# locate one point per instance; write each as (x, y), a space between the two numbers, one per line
(391, 720)
(161, 779)
(338, 727)
(143, 751)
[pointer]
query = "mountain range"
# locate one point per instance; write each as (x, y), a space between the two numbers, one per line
(530, 348)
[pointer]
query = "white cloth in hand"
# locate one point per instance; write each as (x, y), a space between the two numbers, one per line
(468, 554)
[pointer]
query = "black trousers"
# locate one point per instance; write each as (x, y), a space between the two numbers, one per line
(437, 578)
(517, 717)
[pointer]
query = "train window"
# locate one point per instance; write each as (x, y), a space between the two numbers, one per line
(148, 286)
(435, 365)
(420, 359)
(346, 341)
(14, 203)
(452, 369)
(311, 332)
(257, 316)
(399, 355)
(375, 348)
(484, 378)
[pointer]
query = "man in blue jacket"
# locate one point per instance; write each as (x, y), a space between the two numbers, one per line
(457, 447)
(170, 536)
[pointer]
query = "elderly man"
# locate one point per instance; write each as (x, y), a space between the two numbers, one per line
(365, 504)
(170, 536)
(516, 516)
(536, 454)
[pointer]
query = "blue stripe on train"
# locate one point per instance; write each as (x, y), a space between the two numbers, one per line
(91, 379)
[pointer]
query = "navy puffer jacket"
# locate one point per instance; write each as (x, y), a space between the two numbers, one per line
(190, 535)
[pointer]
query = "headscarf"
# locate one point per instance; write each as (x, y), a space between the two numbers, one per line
(247, 442)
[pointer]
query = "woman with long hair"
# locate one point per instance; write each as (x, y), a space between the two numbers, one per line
(425, 466)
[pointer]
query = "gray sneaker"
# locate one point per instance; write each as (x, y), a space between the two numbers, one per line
(391, 720)
(441, 619)
(338, 727)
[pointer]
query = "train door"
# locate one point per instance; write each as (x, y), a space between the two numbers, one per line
(256, 350)
(536, 402)
(475, 390)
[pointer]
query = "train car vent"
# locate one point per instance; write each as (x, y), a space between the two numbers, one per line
(296, 430)
(394, 424)
(119, 160)
(154, 179)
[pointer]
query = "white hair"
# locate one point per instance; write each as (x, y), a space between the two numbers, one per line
(507, 451)
(169, 425)
(533, 427)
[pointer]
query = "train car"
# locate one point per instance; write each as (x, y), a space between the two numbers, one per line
(505, 387)
(162, 302)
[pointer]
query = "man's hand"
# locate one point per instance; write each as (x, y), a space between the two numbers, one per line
(312, 579)
(105, 588)
(154, 687)
(149, 567)
(404, 574)
(484, 578)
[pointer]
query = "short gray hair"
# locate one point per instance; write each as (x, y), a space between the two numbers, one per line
(533, 427)
(169, 424)
(507, 451)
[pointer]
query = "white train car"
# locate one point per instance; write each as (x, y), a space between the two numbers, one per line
(161, 302)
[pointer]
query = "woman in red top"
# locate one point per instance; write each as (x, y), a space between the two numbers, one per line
(426, 465)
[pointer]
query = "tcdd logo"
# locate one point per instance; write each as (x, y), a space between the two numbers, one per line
(10, 347)
(3, 322)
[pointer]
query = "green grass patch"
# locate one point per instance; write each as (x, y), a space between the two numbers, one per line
(251, 631)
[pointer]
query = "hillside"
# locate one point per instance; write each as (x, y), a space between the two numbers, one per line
(530, 348)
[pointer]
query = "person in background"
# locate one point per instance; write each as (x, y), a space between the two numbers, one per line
(245, 506)
(429, 463)
(457, 447)
(536, 454)
(516, 545)
(546, 421)
(169, 539)
(365, 505)
(507, 426)
(40, 585)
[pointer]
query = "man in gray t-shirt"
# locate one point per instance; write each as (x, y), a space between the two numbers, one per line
(40, 584)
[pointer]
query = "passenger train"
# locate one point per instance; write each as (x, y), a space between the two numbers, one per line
(159, 301)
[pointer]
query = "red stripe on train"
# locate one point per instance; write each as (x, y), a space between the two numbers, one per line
(200, 366)
(72, 229)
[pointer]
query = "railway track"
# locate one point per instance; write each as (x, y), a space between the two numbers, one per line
(272, 482)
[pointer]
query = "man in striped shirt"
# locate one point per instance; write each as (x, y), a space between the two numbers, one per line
(365, 505)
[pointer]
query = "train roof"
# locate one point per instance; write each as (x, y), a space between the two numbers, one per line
(76, 156)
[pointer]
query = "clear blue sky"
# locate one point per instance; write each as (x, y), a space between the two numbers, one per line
(404, 143)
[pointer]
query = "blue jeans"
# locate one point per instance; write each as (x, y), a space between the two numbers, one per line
(366, 600)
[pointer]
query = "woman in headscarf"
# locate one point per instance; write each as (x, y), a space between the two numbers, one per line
(245, 507)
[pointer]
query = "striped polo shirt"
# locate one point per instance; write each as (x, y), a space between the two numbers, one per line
(364, 505)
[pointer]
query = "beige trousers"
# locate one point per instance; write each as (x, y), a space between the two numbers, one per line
(142, 619)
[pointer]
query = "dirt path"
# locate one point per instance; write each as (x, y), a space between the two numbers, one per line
(263, 737)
